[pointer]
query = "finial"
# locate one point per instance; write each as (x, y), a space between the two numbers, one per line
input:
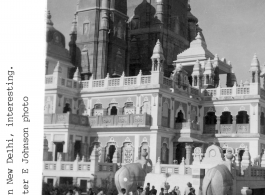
(158, 160)
(83, 159)
(140, 72)
(198, 36)
(216, 57)
(49, 16)
(74, 26)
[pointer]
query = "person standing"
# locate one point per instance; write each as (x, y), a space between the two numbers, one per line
(177, 190)
(147, 189)
(162, 192)
(187, 190)
(153, 191)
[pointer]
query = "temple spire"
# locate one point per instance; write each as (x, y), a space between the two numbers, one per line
(49, 16)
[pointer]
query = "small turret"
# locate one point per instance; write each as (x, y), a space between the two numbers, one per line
(208, 74)
(197, 75)
(158, 57)
(255, 70)
(216, 70)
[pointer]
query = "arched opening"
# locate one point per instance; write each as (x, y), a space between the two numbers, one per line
(253, 77)
(226, 118)
(195, 81)
(77, 148)
(210, 118)
(113, 110)
(164, 154)
(180, 117)
(242, 117)
(180, 152)
(190, 80)
(207, 79)
(110, 154)
(67, 108)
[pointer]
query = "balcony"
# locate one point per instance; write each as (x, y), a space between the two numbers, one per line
(120, 120)
(67, 118)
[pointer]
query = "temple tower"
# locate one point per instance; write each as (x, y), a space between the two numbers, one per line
(101, 37)
(150, 20)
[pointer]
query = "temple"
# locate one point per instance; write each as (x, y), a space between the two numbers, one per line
(146, 82)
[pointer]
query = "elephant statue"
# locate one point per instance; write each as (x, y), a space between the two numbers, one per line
(132, 175)
(218, 181)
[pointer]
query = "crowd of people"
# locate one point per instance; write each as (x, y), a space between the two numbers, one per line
(140, 191)
(152, 191)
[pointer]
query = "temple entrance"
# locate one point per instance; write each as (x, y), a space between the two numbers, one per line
(66, 180)
(77, 148)
(113, 110)
(58, 149)
(180, 152)
(110, 154)
(83, 185)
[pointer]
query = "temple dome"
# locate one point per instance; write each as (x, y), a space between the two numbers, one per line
(191, 17)
(52, 35)
(55, 42)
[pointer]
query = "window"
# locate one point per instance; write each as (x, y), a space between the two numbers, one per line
(180, 118)
(113, 110)
(242, 118)
(210, 118)
(226, 118)
(86, 28)
(98, 106)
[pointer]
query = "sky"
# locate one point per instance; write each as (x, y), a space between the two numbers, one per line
(234, 29)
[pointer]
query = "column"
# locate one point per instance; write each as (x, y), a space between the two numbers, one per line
(218, 118)
(172, 108)
(138, 104)
(159, 116)
(174, 150)
(154, 113)
(136, 147)
(74, 180)
(188, 148)
(234, 124)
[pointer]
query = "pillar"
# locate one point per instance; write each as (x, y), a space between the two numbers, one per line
(188, 148)
(234, 124)
(218, 120)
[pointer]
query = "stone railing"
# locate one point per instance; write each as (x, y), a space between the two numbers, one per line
(180, 169)
(242, 90)
(186, 125)
(53, 81)
(210, 129)
(66, 118)
(229, 91)
(231, 129)
(66, 166)
(120, 120)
